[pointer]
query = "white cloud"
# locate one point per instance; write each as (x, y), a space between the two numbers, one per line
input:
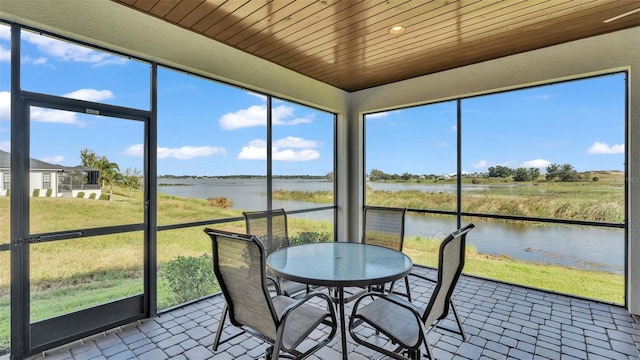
(5, 54)
(53, 159)
(259, 96)
(5, 145)
(90, 95)
(441, 144)
(5, 33)
(294, 142)
(281, 113)
(5, 106)
(480, 164)
(253, 152)
(285, 149)
(604, 148)
(182, 153)
(64, 51)
(134, 150)
(377, 115)
(40, 61)
(26, 59)
(55, 116)
(382, 114)
(256, 115)
(292, 155)
(537, 163)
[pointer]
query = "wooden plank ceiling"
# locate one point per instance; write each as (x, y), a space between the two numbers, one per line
(347, 43)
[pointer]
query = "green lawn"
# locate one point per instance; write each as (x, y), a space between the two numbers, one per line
(73, 274)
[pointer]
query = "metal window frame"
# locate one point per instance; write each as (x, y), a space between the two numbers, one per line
(459, 213)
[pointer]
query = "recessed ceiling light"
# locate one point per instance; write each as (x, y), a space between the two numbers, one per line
(397, 30)
(622, 15)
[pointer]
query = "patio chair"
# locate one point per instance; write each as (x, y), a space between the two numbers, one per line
(271, 227)
(403, 323)
(282, 321)
(384, 226)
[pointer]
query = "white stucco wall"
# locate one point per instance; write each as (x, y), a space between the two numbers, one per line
(35, 182)
(602, 54)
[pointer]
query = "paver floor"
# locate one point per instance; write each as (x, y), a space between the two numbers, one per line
(501, 322)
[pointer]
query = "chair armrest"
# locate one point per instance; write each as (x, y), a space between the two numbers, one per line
(423, 277)
(275, 283)
(307, 298)
(391, 298)
(301, 302)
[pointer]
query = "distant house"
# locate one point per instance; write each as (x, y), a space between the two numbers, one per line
(57, 180)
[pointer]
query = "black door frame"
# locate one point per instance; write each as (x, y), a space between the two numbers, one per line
(29, 338)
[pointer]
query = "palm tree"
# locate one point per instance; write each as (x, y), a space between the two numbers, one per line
(109, 174)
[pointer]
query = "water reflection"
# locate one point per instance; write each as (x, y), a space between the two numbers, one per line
(581, 247)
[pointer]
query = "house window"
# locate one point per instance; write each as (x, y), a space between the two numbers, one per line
(46, 181)
(6, 181)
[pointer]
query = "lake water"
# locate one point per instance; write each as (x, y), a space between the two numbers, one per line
(575, 246)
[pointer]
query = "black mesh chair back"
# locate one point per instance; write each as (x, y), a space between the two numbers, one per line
(238, 263)
(384, 227)
(270, 226)
(450, 264)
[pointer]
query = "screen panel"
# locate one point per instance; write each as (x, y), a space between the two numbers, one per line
(410, 157)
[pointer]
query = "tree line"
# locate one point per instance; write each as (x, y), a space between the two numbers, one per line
(554, 172)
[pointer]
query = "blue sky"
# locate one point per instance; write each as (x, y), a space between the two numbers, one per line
(208, 128)
(205, 127)
(579, 123)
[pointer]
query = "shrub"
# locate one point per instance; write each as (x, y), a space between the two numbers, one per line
(80, 195)
(475, 181)
(307, 237)
(36, 193)
(49, 192)
(222, 202)
(104, 197)
(92, 196)
(190, 277)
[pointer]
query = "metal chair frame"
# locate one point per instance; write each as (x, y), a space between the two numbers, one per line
(384, 226)
(304, 315)
(400, 320)
(271, 226)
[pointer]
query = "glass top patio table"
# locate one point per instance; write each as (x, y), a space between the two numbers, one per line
(339, 265)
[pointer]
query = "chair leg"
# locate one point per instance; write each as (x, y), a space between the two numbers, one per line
(455, 314)
(268, 353)
(426, 346)
(406, 284)
(223, 316)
